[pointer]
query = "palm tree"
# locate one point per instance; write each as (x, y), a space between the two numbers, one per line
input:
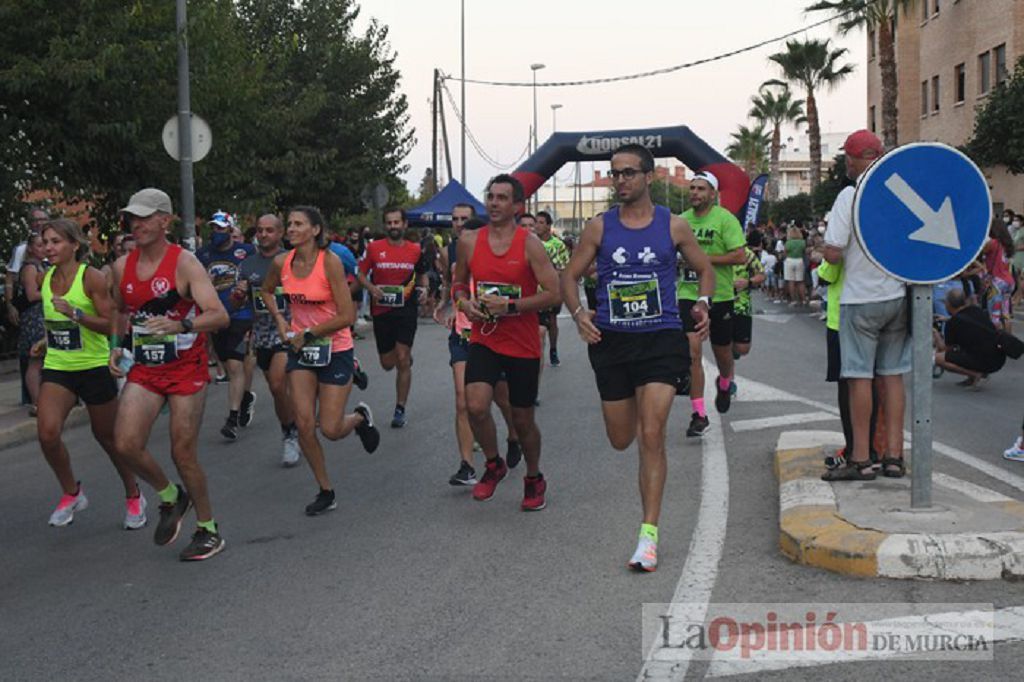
(749, 146)
(812, 64)
(880, 18)
(776, 108)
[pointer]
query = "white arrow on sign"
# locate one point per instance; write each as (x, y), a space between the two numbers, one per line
(938, 227)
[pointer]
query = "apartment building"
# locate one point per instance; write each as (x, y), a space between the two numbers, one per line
(950, 54)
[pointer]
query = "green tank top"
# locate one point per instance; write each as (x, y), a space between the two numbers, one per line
(71, 347)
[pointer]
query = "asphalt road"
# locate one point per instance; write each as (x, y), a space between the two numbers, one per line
(411, 579)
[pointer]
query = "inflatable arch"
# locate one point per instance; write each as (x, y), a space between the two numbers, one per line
(678, 141)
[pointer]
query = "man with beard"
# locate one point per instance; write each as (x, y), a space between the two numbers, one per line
(394, 273)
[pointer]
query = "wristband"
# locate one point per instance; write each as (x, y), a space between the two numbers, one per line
(577, 311)
(115, 340)
(706, 300)
(459, 286)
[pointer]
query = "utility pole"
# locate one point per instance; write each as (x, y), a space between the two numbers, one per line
(188, 204)
(554, 176)
(535, 68)
(463, 105)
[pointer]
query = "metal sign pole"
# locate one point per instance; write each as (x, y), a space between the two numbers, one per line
(921, 397)
(188, 207)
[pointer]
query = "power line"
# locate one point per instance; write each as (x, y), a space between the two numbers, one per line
(656, 72)
(472, 139)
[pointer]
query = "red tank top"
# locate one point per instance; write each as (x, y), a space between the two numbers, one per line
(510, 273)
(158, 295)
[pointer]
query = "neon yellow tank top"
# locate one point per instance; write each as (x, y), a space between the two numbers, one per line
(71, 347)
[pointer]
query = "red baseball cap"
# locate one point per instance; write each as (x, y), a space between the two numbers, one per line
(863, 144)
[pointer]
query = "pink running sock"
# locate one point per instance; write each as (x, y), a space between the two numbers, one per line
(698, 406)
(723, 383)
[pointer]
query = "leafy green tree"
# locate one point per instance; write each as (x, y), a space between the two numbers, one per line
(750, 148)
(774, 106)
(796, 207)
(998, 137)
(879, 17)
(667, 194)
(825, 194)
(813, 65)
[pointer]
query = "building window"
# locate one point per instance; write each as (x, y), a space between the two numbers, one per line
(984, 72)
(871, 119)
(935, 94)
(960, 79)
(871, 45)
(924, 98)
(936, 6)
(1000, 58)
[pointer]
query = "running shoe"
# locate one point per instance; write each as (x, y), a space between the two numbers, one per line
(359, 377)
(221, 379)
(466, 475)
(494, 471)
(698, 425)
(247, 411)
(723, 399)
(135, 512)
(291, 452)
(324, 502)
(398, 420)
(1015, 453)
(171, 514)
(203, 546)
(514, 454)
(367, 432)
(645, 558)
(534, 488)
(554, 358)
(230, 429)
(64, 514)
(733, 388)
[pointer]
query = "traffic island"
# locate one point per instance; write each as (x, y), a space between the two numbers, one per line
(868, 529)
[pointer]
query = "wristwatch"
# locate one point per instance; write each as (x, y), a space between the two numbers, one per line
(706, 300)
(511, 309)
(186, 325)
(77, 314)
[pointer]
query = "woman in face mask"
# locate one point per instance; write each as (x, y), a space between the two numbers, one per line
(1017, 261)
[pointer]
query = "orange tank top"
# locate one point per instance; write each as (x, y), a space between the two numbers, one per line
(311, 300)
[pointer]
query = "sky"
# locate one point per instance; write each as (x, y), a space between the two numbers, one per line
(579, 39)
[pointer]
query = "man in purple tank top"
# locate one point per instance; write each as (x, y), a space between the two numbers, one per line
(634, 337)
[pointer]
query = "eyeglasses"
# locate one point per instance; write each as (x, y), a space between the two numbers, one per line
(459, 219)
(628, 173)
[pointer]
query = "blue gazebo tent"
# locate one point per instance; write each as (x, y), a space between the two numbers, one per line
(437, 212)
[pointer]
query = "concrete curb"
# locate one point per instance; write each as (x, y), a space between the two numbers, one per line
(25, 430)
(814, 533)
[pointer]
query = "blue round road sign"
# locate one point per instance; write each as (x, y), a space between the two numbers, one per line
(922, 212)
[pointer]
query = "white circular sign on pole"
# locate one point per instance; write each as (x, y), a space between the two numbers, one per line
(202, 138)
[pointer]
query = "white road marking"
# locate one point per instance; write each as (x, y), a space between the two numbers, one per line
(1009, 627)
(952, 556)
(777, 319)
(693, 591)
(783, 420)
(971, 490)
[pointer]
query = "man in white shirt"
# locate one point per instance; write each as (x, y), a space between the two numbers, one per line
(37, 217)
(873, 337)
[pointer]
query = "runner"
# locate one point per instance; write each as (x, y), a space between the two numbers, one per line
(721, 238)
(633, 336)
(320, 353)
(222, 259)
(76, 314)
(271, 351)
(397, 276)
(748, 276)
(171, 303)
(506, 264)
(351, 265)
(559, 254)
(464, 218)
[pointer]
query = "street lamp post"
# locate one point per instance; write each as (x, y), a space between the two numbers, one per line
(554, 178)
(535, 68)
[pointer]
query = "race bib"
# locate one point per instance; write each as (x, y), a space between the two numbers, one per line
(153, 349)
(392, 295)
(279, 298)
(63, 335)
(316, 353)
(631, 301)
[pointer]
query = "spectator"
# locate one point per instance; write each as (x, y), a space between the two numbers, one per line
(793, 268)
(37, 217)
(968, 345)
(996, 254)
(1016, 451)
(771, 281)
(872, 328)
(31, 328)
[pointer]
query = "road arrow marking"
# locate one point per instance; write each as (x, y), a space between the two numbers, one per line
(938, 227)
